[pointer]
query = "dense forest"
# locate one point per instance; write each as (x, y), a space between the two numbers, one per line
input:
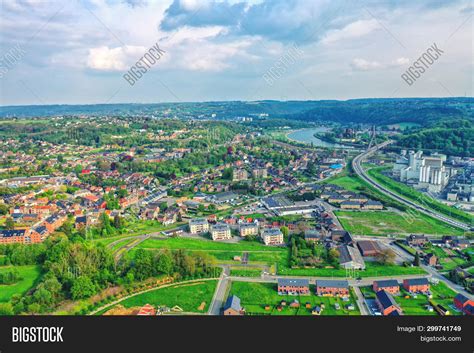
(450, 137)
(360, 111)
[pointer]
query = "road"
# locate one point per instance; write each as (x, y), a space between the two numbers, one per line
(361, 302)
(356, 166)
(220, 293)
(455, 287)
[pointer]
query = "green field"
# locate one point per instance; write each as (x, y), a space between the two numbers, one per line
(223, 252)
(29, 274)
(392, 223)
(188, 296)
(261, 254)
(351, 183)
(418, 197)
(245, 272)
(255, 296)
(446, 258)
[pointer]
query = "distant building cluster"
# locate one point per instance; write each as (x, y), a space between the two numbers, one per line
(423, 172)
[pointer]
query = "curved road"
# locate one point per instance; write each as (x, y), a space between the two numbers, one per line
(356, 165)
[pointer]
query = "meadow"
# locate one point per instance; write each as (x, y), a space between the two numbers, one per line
(29, 276)
(188, 296)
(392, 223)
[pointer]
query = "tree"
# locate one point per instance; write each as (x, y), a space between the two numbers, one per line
(164, 263)
(416, 262)
(285, 231)
(9, 223)
(83, 287)
(386, 257)
(117, 222)
(6, 309)
(163, 206)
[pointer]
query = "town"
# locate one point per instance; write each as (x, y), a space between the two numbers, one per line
(255, 220)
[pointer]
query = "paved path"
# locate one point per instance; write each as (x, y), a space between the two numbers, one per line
(220, 293)
(356, 166)
(361, 302)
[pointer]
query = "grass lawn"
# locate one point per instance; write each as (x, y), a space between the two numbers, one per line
(409, 249)
(417, 306)
(261, 254)
(187, 296)
(418, 197)
(390, 223)
(254, 297)
(245, 272)
(29, 274)
(446, 258)
(352, 183)
(223, 252)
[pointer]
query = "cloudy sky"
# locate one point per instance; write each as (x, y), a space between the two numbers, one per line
(77, 51)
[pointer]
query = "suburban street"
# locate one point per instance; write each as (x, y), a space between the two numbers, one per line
(220, 293)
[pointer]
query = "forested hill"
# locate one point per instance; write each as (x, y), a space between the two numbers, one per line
(451, 137)
(423, 111)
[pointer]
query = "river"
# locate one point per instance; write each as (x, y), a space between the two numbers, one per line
(307, 136)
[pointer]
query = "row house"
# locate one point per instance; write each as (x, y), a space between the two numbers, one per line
(416, 285)
(390, 286)
(332, 288)
(287, 286)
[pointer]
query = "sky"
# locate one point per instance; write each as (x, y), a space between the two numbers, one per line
(78, 51)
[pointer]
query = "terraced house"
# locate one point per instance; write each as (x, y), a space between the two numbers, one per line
(293, 286)
(332, 288)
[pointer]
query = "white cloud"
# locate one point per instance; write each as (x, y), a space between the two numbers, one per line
(401, 61)
(351, 31)
(114, 59)
(365, 65)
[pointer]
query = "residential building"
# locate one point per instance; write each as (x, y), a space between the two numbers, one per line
(417, 239)
(390, 286)
(350, 205)
(246, 229)
(416, 285)
(220, 231)
(293, 286)
(460, 244)
(373, 205)
(272, 236)
(259, 173)
(386, 304)
(198, 225)
(239, 175)
(332, 288)
(464, 304)
(313, 235)
(232, 306)
(431, 260)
